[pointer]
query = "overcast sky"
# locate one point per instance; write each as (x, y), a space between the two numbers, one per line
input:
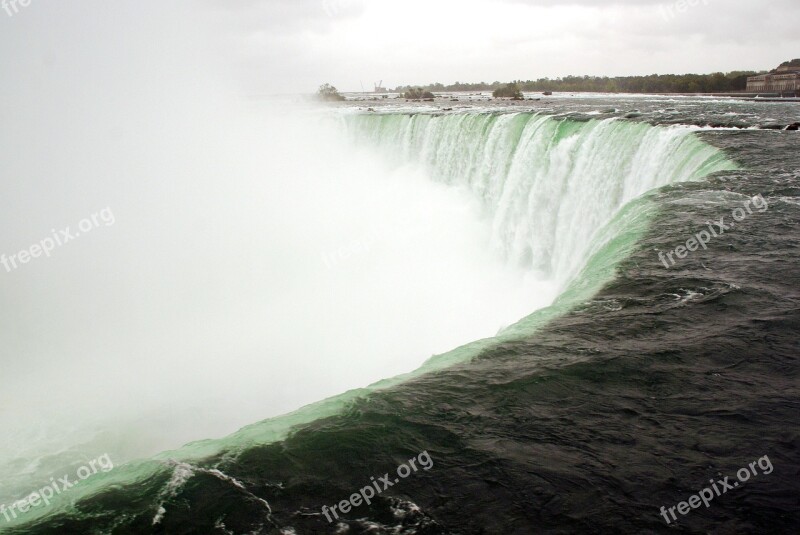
(294, 45)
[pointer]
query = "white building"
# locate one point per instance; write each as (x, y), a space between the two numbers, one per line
(784, 79)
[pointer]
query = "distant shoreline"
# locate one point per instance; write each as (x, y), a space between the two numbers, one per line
(719, 82)
(742, 95)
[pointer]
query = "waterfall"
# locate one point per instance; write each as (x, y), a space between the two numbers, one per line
(548, 185)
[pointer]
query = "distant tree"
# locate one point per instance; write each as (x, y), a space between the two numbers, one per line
(329, 93)
(795, 63)
(511, 90)
(654, 83)
(417, 93)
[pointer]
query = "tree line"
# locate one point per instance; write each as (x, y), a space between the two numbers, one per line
(655, 83)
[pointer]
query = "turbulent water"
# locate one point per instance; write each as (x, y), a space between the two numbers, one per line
(549, 185)
(641, 382)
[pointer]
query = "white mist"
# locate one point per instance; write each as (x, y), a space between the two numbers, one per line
(256, 263)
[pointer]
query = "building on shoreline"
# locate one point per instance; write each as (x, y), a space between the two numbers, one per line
(784, 79)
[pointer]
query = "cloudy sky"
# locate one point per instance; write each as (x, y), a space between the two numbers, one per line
(294, 45)
(419, 41)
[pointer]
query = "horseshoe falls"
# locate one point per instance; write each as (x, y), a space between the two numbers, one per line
(510, 218)
(548, 186)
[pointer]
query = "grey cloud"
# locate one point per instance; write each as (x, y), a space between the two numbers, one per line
(282, 16)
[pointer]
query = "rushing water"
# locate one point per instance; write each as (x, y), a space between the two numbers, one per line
(586, 415)
(549, 185)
